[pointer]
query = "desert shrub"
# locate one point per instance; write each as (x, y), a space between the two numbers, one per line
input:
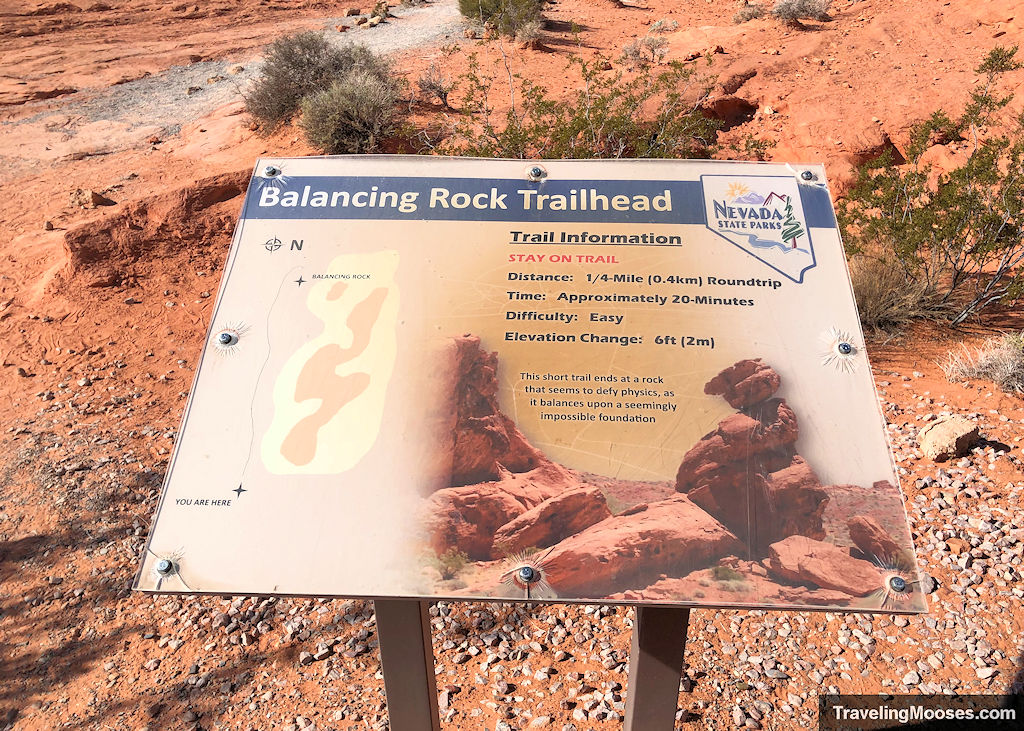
(381, 10)
(663, 25)
(792, 11)
(749, 12)
(507, 16)
(435, 84)
(298, 66)
(529, 33)
(888, 296)
(352, 114)
(609, 116)
(958, 235)
(999, 359)
(726, 573)
(647, 50)
(449, 563)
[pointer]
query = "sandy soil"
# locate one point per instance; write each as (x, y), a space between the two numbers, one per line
(97, 360)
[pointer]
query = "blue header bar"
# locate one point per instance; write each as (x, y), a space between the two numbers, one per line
(484, 199)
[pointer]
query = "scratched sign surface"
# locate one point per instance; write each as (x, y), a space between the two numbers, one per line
(621, 381)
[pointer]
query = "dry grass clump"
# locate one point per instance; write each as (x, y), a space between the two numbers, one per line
(750, 11)
(999, 359)
(888, 297)
(792, 11)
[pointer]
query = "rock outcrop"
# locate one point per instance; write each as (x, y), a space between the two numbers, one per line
(483, 441)
(551, 521)
(872, 540)
(746, 383)
(467, 517)
(672, 537)
(746, 473)
(807, 561)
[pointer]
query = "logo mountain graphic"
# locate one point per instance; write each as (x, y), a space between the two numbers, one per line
(763, 216)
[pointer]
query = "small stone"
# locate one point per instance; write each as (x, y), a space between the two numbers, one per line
(85, 198)
(948, 437)
(305, 658)
(352, 11)
(986, 673)
(48, 225)
(912, 678)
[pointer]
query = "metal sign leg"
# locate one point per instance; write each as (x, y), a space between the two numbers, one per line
(407, 656)
(655, 668)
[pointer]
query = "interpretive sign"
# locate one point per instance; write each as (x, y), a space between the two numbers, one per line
(615, 381)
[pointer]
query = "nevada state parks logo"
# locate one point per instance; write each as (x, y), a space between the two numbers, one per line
(763, 216)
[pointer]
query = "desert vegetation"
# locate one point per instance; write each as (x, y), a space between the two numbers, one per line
(999, 359)
(946, 245)
(788, 11)
(611, 115)
(517, 18)
(347, 94)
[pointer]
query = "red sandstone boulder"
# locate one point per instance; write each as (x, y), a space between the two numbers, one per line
(807, 561)
(556, 518)
(766, 433)
(746, 383)
(798, 501)
(476, 439)
(671, 537)
(467, 517)
(762, 509)
(872, 540)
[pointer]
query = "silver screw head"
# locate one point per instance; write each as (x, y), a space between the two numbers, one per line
(807, 175)
(224, 338)
(898, 584)
(844, 348)
(271, 172)
(528, 574)
(164, 566)
(536, 172)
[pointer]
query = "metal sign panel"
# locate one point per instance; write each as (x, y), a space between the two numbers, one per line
(614, 381)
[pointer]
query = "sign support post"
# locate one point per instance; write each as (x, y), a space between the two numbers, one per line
(407, 657)
(655, 668)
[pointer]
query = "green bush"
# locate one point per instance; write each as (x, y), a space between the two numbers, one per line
(609, 116)
(726, 573)
(301, 65)
(507, 16)
(449, 563)
(352, 114)
(959, 235)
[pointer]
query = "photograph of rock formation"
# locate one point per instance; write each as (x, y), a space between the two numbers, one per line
(746, 522)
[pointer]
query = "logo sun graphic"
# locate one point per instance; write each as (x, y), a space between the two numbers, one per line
(736, 190)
